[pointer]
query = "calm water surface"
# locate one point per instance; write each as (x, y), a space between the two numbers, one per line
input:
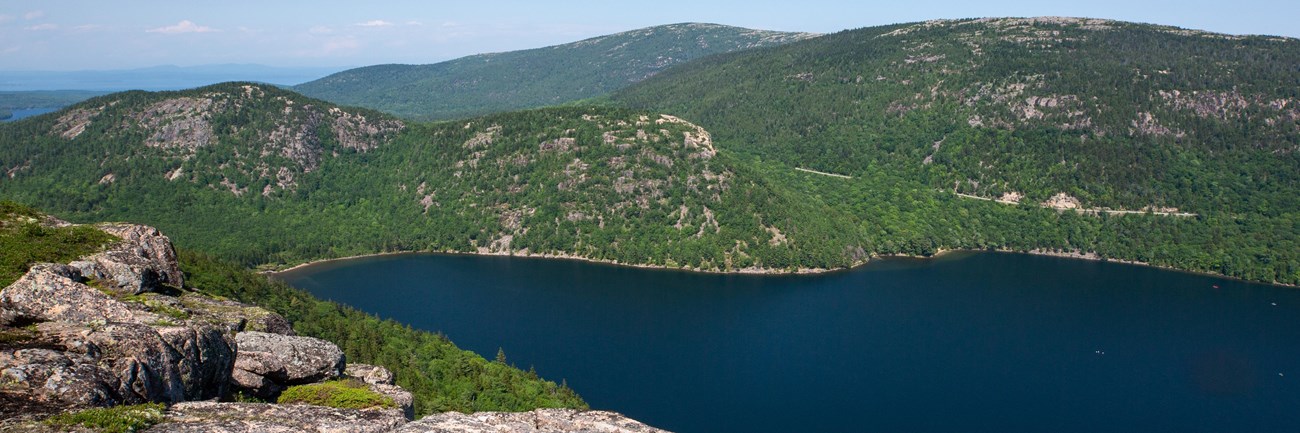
(29, 112)
(984, 342)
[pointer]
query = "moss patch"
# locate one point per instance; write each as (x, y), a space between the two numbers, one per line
(119, 419)
(24, 241)
(342, 394)
(14, 335)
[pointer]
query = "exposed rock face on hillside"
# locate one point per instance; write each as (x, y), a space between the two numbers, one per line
(631, 164)
(1118, 114)
(607, 178)
(118, 328)
(185, 128)
(1033, 99)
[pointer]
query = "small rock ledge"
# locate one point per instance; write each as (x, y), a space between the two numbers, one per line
(119, 328)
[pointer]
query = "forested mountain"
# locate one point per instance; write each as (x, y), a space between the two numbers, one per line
(1173, 147)
(1079, 112)
(264, 175)
(1116, 114)
(488, 83)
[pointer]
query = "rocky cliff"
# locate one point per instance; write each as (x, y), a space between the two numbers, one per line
(120, 328)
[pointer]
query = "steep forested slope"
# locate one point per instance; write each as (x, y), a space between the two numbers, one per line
(1042, 111)
(515, 80)
(1117, 114)
(268, 176)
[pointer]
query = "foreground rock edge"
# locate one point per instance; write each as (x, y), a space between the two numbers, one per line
(116, 328)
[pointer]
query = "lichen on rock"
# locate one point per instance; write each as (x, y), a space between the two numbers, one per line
(267, 363)
(212, 417)
(537, 421)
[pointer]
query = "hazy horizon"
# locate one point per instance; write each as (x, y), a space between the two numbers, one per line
(84, 36)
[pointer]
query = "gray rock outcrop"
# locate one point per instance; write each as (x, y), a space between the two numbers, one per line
(211, 417)
(112, 344)
(50, 292)
(267, 363)
(119, 328)
(404, 400)
(537, 421)
(143, 261)
(57, 378)
(233, 315)
(118, 363)
(148, 364)
(372, 374)
(380, 380)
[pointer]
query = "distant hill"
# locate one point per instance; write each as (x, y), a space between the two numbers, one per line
(488, 83)
(22, 100)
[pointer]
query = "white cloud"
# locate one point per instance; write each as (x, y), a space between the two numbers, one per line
(185, 26)
(414, 23)
(374, 23)
(332, 47)
(320, 30)
(344, 44)
(40, 27)
(33, 15)
(87, 27)
(6, 18)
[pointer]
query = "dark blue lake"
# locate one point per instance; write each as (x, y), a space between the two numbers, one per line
(29, 112)
(985, 342)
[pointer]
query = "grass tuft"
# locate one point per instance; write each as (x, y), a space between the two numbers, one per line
(24, 242)
(342, 394)
(118, 419)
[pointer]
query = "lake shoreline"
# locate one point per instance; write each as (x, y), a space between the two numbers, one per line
(1094, 257)
(1077, 255)
(525, 254)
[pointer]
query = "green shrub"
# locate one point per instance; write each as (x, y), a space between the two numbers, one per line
(441, 376)
(23, 241)
(342, 394)
(119, 419)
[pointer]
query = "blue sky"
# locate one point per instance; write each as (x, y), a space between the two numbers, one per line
(73, 35)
